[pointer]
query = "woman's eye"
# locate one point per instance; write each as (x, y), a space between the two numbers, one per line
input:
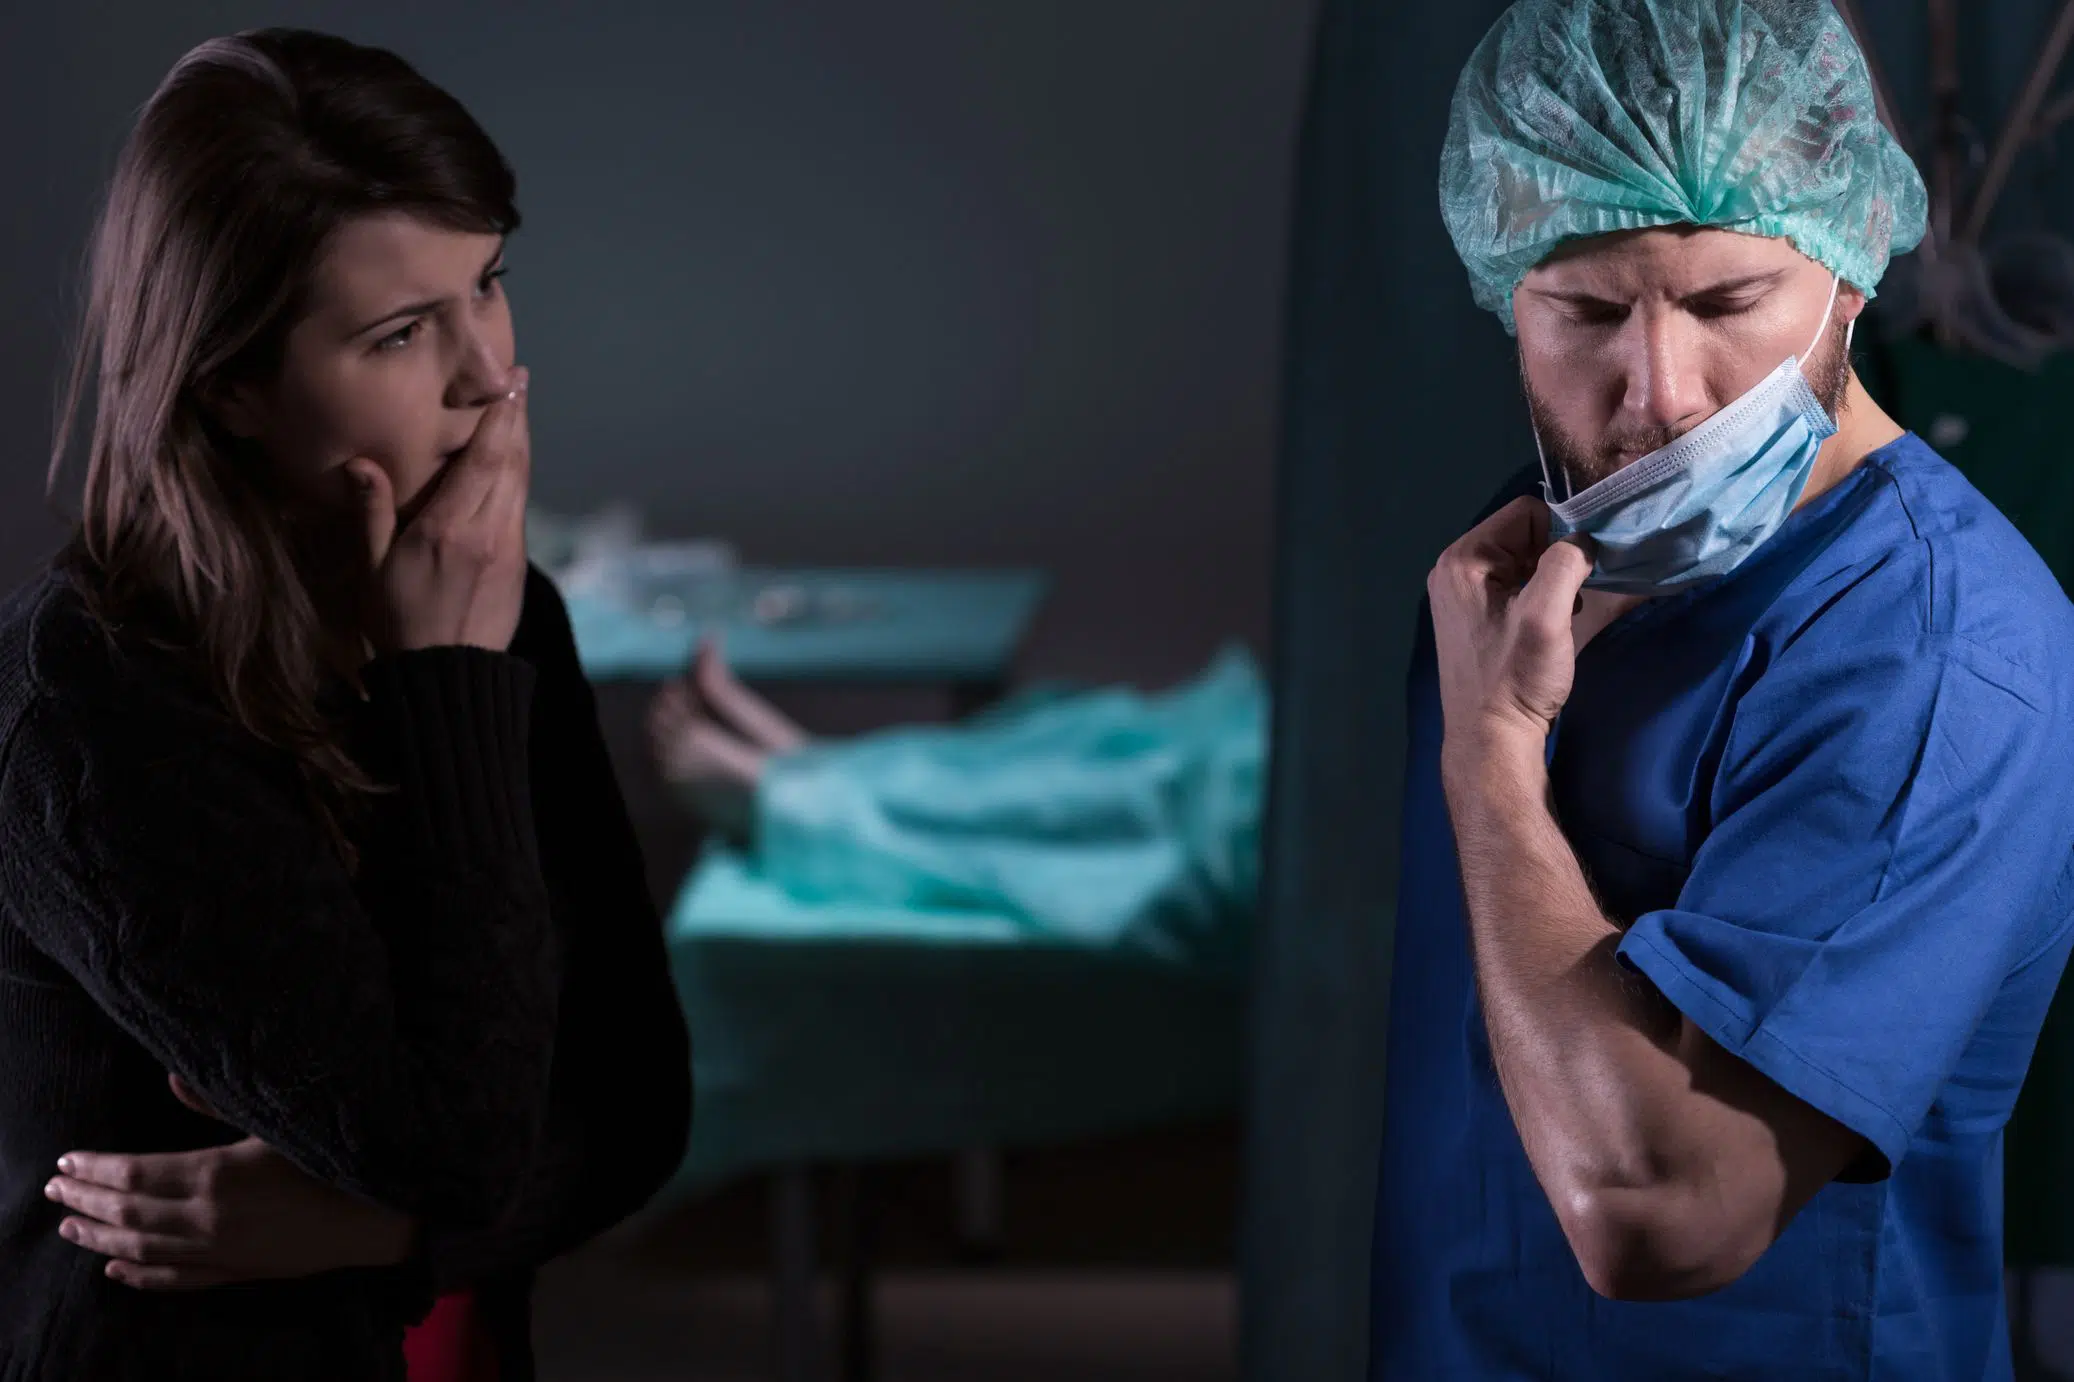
(488, 286)
(399, 338)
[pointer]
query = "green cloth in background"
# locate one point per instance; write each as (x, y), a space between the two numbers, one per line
(1025, 928)
(2008, 431)
(849, 1032)
(1106, 819)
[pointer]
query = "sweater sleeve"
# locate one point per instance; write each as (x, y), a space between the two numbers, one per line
(392, 1038)
(619, 1102)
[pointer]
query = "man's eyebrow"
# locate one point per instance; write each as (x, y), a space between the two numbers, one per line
(1576, 297)
(1729, 287)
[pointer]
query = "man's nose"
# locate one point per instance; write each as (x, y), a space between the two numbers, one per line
(1663, 388)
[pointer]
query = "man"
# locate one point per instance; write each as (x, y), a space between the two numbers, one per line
(1740, 804)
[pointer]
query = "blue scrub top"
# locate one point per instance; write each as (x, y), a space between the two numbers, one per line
(1831, 796)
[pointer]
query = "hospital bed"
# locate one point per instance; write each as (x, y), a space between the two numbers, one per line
(836, 1036)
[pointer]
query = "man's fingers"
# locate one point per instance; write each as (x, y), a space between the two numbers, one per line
(1504, 547)
(169, 1175)
(1551, 596)
(1490, 562)
(165, 1278)
(1518, 530)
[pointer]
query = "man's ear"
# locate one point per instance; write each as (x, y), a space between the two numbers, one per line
(1850, 302)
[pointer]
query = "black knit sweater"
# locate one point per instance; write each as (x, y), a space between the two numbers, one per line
(478, 1027)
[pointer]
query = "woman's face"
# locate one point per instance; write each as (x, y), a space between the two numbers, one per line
(406, 340)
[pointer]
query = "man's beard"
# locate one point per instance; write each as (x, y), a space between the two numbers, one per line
(1581, 467)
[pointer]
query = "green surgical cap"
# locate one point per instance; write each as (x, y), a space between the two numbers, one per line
(1585, 117)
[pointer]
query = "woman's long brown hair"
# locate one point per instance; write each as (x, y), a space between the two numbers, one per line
(254, 150)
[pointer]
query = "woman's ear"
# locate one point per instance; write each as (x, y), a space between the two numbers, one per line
(236, 407)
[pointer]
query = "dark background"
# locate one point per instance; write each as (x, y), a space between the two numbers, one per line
(923, 281)
(997, 281)
(914, 282)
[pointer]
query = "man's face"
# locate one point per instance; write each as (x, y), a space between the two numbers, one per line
(1629, 341)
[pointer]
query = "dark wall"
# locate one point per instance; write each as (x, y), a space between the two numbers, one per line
(913, 282)
(1998, 45)
(1404, 415)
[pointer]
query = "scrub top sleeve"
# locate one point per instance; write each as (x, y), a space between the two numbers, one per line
(1884, 846)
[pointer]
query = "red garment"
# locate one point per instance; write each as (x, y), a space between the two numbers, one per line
(451, 1344)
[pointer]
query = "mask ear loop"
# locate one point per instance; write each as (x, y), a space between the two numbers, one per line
(1836, 283)
(1547, 486)
(1541, 452)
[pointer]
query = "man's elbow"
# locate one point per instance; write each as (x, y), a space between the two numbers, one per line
(1652, 1245)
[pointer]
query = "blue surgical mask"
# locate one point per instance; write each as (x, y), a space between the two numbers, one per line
(1699, 507)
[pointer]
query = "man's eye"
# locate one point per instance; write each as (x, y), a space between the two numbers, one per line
(1712, 309)
(1599, 314)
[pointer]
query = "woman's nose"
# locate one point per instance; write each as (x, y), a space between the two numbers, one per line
(480, 378)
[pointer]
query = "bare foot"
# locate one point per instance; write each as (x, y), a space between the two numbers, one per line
(737, 707)
(716, 768)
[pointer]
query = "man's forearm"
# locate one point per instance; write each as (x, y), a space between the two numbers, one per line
(1670, 1161)
(1671, 1164)
(1572, 1035)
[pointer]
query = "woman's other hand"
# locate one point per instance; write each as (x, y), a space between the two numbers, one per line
(242, 1212)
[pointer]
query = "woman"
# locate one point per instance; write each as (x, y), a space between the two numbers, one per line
(306, 825)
